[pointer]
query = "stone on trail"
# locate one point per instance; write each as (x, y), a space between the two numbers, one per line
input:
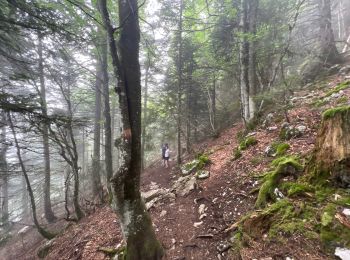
(201, 209)
(200, 175)
(151, 194)
(184, 185)
(163, 213)
(197, 224)
(342, 253)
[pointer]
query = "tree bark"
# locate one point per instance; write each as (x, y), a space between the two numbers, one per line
(4, 173)
(95, 175)
(179, 87)
(244, 62)
(107, 113)
(49, 215)
(253, 83)
(328, 51)
(134, 218)
(41, 230)
(144, 112)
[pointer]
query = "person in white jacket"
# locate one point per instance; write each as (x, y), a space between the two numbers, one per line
(166, 155)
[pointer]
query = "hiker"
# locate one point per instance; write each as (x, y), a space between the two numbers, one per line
(163, 154)
(166, 155)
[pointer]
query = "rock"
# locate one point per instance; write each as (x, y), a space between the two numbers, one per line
(163, 213)
(272, 128)
(151, 194)
(44, 249)
(289, 258)
(285, 125)
(201, 175)
(344, 70)
(223, 247)
(346, 212)
(189, 167)
(342, 253)
(278, 193)
(197, 224)
(184, 185)
(301, 129)
(335, 95)
(204, 215)
(268, 120)
(201, 209)
(270, 151)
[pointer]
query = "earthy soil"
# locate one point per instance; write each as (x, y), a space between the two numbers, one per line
(226, 195)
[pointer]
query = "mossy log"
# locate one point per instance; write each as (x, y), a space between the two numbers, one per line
(332, 151)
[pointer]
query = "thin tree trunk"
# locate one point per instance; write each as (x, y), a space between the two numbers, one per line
(253, 83)
(107, 114)
(49, 215)
(144, 112)
(189, 109)
(4, 174)
(134, 218)
(244, 62)
(95, 174)
(179, 87)
(40, 229)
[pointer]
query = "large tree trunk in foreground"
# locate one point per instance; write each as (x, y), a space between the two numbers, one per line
(332, 152)
(141, 242)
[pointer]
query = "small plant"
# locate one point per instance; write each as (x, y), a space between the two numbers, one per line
(247, 142)
(342, 100)
(237, 154)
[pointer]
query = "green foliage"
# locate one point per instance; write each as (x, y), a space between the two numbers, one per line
(280, 148)
(247, 142)
(319, 103)
(340, 86)
(196, 164)
(295, 188)
(203, 160)
(330, 113)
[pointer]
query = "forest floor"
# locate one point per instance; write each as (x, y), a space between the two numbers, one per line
(226, 195)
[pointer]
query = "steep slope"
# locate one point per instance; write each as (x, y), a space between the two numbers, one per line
(204, 224)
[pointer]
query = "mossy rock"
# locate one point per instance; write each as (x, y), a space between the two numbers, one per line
(196, 164)
(247, 142)
(279, 149)
(330, 113)
(284, 166)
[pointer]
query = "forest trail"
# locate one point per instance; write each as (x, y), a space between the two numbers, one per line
(220, 200)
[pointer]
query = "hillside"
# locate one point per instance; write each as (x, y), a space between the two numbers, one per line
(206, 222)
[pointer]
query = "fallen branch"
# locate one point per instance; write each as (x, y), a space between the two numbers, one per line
(343, 219)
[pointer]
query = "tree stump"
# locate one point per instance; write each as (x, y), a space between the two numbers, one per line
(332, 152)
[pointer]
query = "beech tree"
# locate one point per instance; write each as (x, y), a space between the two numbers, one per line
(141, 242)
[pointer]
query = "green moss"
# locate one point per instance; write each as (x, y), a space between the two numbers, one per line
(293, 188)
(247, 142)
(283, 166)
(319, 103)
(340, 86)
(282, 148)
(342, 100)
(323, 192)
(203, 160)
(330, 113)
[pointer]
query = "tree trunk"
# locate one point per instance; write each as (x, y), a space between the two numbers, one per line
(253, 83)
(189, 108)
(179, 87)
(134, 218)
(49, 215)
(332, 151)
(4, 174)
(41, 230)
(144, 112)
(328, 51)
(95, 176)
(107, 114)
(244, 62)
